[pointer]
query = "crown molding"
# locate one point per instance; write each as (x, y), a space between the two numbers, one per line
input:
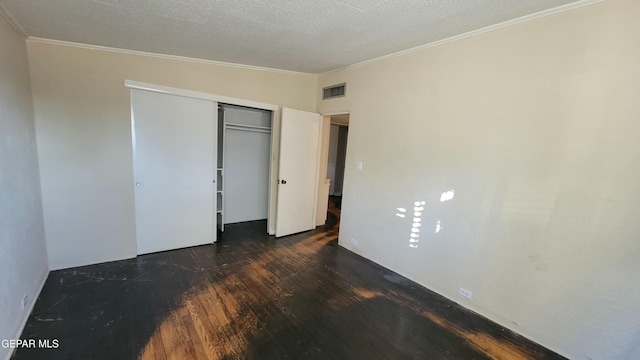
(5, 14)
(504, 24)
(38, 40)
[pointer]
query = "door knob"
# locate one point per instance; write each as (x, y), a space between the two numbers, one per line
(283, 182)
(137, 184)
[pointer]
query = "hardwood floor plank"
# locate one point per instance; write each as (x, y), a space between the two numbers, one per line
(262, 334)
(157, 347)
(197, 329)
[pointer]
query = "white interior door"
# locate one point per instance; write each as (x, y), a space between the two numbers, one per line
(174, 154)
(298, 171)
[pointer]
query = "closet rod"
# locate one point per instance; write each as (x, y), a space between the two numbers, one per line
(241, 128)
(244, 126)
(248, 126)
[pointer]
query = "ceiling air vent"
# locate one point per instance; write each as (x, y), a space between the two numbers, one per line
(333, 91)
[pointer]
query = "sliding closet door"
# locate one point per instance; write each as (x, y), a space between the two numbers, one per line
(174, 156)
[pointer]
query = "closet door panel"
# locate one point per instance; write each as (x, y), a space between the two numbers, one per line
(246, 159)
(174, 157)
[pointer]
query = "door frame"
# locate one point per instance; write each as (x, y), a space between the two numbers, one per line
(275, 130)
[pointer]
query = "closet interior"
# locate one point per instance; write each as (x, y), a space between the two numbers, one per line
(244, 148)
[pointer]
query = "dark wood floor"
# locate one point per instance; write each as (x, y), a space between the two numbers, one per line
(252, 296)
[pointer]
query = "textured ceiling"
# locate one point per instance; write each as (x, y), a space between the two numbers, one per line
(301, 35)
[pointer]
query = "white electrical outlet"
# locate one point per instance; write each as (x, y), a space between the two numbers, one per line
(25, 300)
(464, 292)
(354, 242)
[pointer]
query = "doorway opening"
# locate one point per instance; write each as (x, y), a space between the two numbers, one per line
(337, 156)
(334, 152)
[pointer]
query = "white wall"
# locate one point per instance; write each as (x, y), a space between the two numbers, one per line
(82, 113)
(536, 128)
(23, 254)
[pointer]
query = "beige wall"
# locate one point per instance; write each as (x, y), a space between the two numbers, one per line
(23, 253)
(536, 128)
(82, 112)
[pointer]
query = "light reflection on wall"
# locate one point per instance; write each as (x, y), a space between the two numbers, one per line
(446, 196)
(414, 237)
(418, 208)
